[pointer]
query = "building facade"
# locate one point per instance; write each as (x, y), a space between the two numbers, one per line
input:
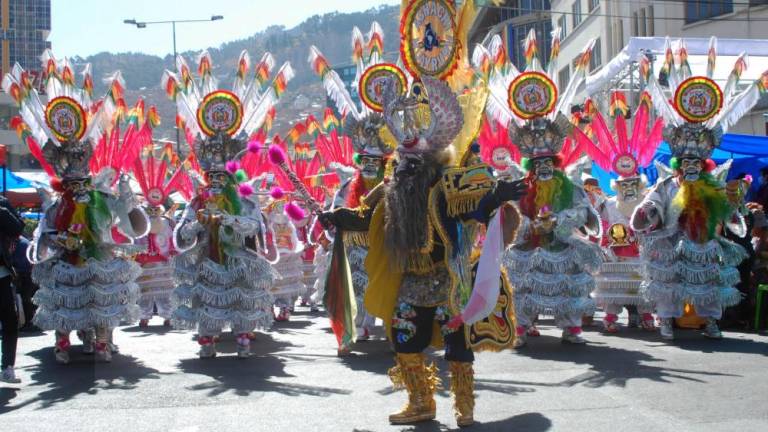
(24, 29)
(614, 22)
(513, 20)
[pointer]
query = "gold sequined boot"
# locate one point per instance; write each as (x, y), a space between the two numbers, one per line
(420, 380)
(463, 388)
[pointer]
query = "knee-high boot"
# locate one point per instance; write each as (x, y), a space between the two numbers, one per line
(420, 380)
(463, 388)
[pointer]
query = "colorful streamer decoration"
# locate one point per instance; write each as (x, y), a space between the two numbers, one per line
(371, 86)
(66, 118)
(429, 44)
(698, 99)
(220, 111)
(532, 94)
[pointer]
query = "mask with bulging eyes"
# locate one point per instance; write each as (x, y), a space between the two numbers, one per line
(370, 166)
(691, 169)
(217, 180)
(628, 190)
(79, 189)
(408, 166)
(544, 168)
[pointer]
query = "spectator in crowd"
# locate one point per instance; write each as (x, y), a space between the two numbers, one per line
(11, 226)
(761, 197)
(738, 316)
(760, 244)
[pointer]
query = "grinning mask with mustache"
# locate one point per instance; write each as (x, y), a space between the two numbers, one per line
(544, 168)
(691, 168)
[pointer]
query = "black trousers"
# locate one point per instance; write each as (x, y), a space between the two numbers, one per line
(10, 322)
(27, 290)
(412, 328)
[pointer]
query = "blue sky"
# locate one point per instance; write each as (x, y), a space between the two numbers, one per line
(85, 27)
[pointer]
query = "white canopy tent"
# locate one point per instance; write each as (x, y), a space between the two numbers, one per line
(620, 72)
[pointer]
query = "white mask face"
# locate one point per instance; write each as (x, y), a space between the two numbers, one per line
(544, 168)
(370, 167)
(628, 190)
(691, 169)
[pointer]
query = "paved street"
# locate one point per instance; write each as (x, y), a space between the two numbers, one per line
(295, 382)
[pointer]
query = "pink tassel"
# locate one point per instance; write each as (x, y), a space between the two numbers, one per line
(277, 193)
(254, 146)
(294, 211)
(245, 189)
(232, 167)
(276, 155)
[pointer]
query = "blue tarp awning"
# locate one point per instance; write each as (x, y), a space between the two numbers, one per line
(12, 181)
(749, 154)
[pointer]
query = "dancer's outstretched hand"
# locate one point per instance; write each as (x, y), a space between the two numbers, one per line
(511, 191)
(327, 219)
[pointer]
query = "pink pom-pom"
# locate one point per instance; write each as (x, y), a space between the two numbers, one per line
(277, 193)
(294, 212)
(254, 146)
(245, 189)
(748, 178)
(276, 155)
(232, 167)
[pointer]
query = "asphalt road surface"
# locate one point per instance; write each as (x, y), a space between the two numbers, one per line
(295, 382)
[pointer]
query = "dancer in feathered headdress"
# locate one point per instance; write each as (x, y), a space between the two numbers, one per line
(687, 260)
(224, 282)
(547, 265)
(159, 174)
(420, 223)
(86, 282)
(624, 154)
(364, 126)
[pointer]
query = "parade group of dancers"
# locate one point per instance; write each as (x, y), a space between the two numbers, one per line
(453, 202)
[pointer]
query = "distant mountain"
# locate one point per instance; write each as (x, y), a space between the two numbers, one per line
(331, 33)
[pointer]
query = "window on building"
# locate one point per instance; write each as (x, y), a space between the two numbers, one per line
(597, 56)
(633, 21)
(641, 29)
(593, 4)
(576, 13)
(618, 35)
(651, 24)
(703, 10)
(757, 2)
(561, 23)
(564, 76)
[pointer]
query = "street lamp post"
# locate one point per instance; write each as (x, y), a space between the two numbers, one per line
(143, 24)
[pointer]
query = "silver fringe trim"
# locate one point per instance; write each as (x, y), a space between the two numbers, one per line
(77, 319)
(538, 304)
(570, 285)
(212, 318)
(696, 295)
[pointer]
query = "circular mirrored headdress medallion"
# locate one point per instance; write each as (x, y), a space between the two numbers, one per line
(625, 165)
(532, 94)
(155, 196)
(428, 31)
(698, 99)
(66, 118)
(372, 84)
(220, 111)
